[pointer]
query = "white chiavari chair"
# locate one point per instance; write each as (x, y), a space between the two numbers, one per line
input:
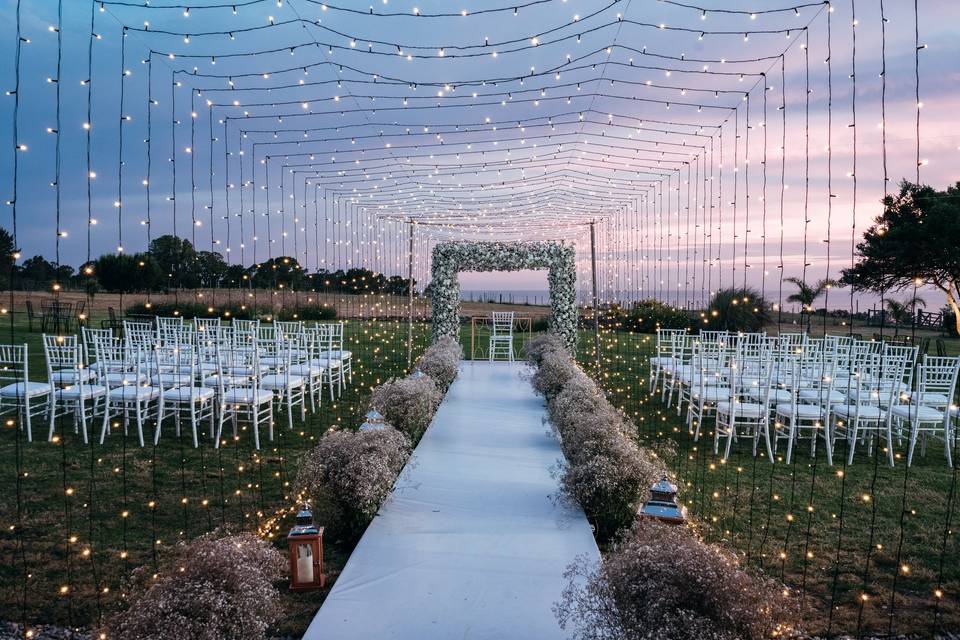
(237, 385)
(182, 393)
(18, 394)
(664, 354)
(738, 415)
(501, 335)
(73, 388)
(926, 411)
(289, 388)
(127, 374)
(811, 387)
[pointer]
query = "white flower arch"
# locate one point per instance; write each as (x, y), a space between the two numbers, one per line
(449, 258)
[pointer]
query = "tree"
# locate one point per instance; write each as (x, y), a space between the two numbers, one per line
(37, 272)
(737, 310)
(211, 268)
(282, 270)
(177, 260)
(904, 312)
(913, 242)
(806, 295)
(127, 273)
(8, 251)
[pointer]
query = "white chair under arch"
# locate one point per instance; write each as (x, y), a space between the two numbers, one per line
(501, 335)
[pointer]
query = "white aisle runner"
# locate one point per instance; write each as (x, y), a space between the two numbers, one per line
(472, 544)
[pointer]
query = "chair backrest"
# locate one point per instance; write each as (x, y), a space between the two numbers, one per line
(714, 336)
(86, 335)
(61, 352)
(289, 329)
(936, 375)
(666, 339)
(208, 325)
(140, 335)
(113, 355)
(13, 363)
(502, 323)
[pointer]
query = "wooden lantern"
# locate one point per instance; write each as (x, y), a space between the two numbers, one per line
(305, 541)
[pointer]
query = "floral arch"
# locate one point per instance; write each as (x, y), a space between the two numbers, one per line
(449, 258)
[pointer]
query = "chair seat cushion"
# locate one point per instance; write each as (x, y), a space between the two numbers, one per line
(661, 361)
(866, 411)
(188, 394)
(247, 396)
(169, 380)
(346, 355)
(134, 392)
(281, 381)
(804, 411)
(916, 412)
(81, 392)
(228, 381)
(72, 376)
(713, 394)
(776, 395)
(306, 370)
(33, 389)
(118, 378)
(273, 361)
(931, 399)
(821, 395)
(326, 363)
(742, 409)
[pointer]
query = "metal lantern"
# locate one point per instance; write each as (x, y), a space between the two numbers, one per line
(662, 504)
(374, 421)
(305, 541)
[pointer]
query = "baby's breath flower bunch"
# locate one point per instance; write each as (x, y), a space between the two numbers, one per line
(440, 362)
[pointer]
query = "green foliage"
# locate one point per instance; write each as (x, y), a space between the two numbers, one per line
(915, 238)
(742, 309)
(646, 316)
(189, 310)
(128, 273)
(307, 313)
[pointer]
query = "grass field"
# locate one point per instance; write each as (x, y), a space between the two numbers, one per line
(869, 547)
(89, 515)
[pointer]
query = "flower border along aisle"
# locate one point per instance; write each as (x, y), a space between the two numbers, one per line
(657, 581)
(449, 258)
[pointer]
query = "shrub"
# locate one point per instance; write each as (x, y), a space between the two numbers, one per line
(536, 347)
(407, 403)
(349, 474)
(215, 586)
(311, 313)
(189, 310)
(556, 369)
(441, 362)
(737, 310)
(646, 316)
(660, 582)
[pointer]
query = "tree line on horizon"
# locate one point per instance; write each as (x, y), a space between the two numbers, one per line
(171, 263)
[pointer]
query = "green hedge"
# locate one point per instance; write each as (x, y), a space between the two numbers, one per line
(191, 310)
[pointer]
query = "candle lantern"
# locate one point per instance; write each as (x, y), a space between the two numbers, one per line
(662, 504)
(374, 421)
(305, 541)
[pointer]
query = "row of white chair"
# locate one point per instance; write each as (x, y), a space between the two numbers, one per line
(782, 388)
(204, 371)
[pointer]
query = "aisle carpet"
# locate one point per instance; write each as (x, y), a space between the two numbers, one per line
(473, 542)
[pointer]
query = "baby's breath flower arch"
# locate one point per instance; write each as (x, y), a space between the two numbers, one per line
(449, 258)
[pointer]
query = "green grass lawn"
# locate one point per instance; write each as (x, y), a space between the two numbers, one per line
(90, 514)
(834, 534)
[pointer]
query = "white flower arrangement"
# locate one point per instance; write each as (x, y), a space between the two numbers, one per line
(451, 257)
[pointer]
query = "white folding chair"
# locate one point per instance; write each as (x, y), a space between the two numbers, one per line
(665, 354)
(237, 385)
(927, 410)
(19, 394)
(130, 391)
(740, 416)
(182, 392)
(501, 335)
(73, 388)
(289, 388)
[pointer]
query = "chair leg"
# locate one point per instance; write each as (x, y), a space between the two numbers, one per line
(914, 428)
(106, 419)
(52, 418)
(138, 410)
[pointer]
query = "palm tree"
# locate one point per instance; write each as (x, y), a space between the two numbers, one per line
(806, 294)
(903, 312)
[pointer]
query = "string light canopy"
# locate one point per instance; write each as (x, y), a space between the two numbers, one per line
(692, 146)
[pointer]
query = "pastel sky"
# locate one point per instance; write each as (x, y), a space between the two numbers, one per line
(358, 215)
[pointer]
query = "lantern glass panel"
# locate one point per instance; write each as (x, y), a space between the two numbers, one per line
(304, 564)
